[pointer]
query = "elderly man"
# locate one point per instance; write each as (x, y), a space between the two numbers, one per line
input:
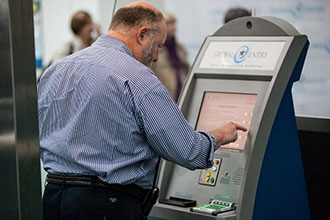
(104, 119)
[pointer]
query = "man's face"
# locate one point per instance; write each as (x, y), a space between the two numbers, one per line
(147, 57)
(156, 41)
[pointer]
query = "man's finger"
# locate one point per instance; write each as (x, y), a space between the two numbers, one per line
(240, 127)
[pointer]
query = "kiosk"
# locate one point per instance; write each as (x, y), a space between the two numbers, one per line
(243, 73)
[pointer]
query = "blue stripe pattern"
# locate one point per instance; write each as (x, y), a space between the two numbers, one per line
(101, 112)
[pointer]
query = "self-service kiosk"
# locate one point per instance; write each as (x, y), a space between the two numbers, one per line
(243, 73)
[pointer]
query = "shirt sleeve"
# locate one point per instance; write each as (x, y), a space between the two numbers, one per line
(169, 133)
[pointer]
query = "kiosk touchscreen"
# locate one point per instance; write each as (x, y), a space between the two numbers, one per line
(243, 73)
(218, 108)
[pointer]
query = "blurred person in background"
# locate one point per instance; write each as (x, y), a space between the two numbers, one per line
(85, 33)
(234, 13)
(172, 66)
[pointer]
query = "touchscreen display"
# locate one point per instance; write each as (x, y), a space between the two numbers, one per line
(218, 108)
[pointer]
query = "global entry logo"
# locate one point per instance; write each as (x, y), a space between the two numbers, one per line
(241, 54)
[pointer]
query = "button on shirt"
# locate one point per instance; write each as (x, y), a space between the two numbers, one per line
(102, 112)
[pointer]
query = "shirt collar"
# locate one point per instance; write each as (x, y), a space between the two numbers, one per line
(113, 43)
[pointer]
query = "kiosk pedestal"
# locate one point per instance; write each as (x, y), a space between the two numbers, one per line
(243, 73)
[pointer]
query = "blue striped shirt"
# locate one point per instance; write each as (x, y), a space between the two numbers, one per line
(101, 112)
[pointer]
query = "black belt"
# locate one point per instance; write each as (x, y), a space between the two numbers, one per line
(73, 180)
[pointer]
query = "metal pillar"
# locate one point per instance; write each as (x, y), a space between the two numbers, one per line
(20, 189)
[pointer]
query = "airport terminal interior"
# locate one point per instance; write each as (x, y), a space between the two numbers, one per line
(268, 71)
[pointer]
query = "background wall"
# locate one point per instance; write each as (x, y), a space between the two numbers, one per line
(196, 20)
(312, 93)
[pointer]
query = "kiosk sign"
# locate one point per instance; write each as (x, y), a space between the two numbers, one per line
(242, 55)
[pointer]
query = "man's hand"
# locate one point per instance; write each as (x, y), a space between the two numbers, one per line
(226, 133)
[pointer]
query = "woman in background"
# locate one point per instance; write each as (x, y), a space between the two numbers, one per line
(85, 33)
(172, 66)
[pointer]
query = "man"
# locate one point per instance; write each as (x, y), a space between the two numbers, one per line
(104, 119)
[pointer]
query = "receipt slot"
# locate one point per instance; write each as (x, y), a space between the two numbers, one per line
(243, 73)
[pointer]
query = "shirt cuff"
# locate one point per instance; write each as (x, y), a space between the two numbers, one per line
(212, 145)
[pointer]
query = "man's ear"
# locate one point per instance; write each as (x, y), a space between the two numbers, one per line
(142, 34)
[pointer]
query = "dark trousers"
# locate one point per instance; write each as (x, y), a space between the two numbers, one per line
(63, 202)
